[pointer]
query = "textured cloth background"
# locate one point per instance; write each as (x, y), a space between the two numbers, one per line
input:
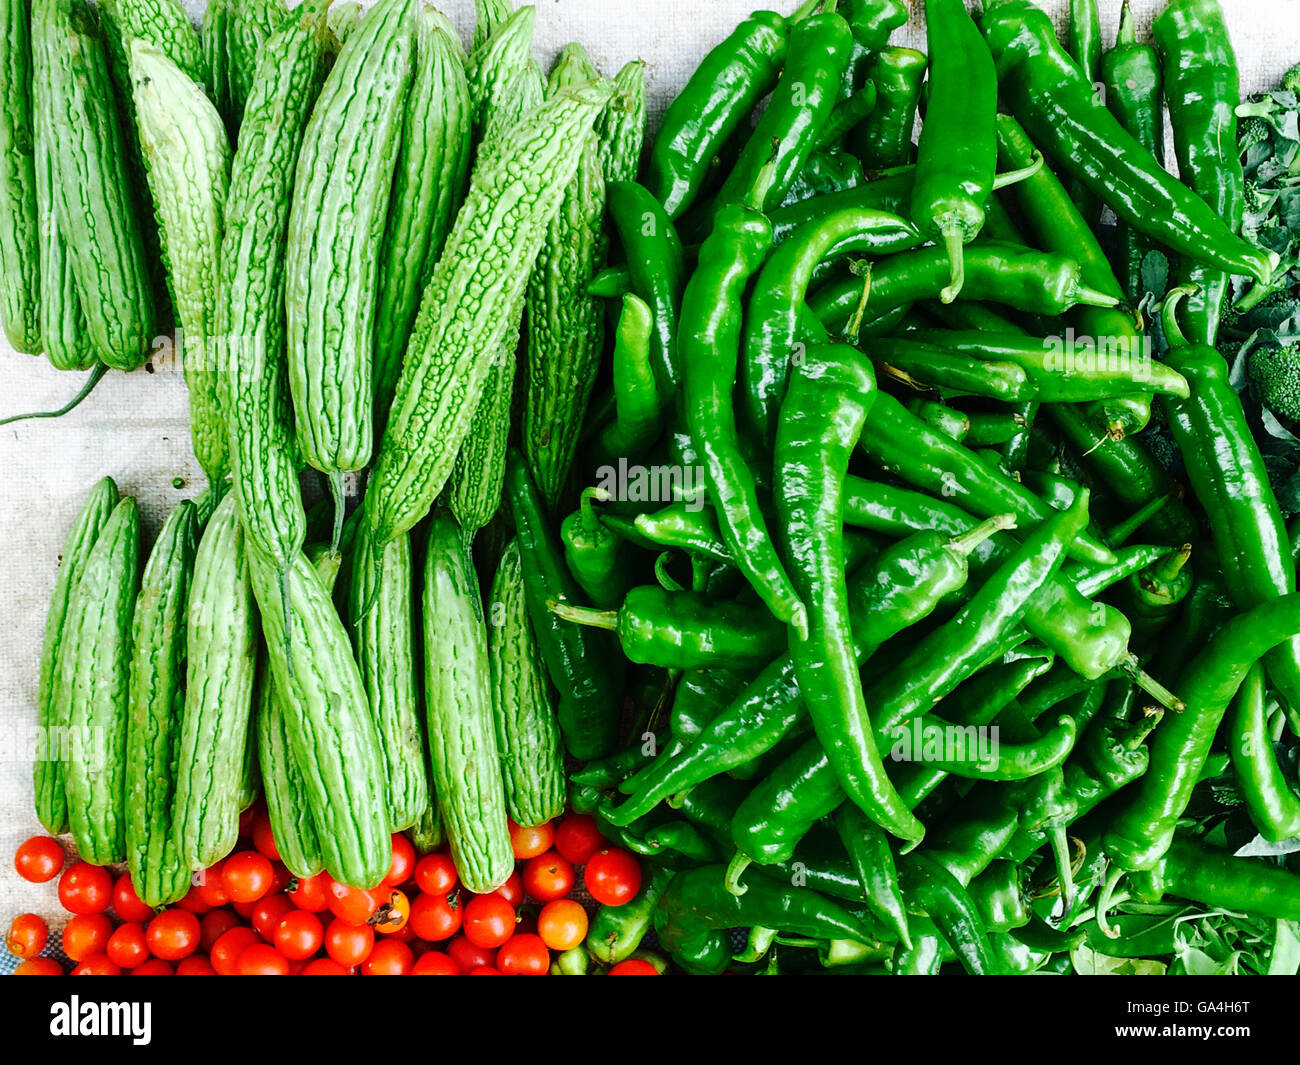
(134, 428)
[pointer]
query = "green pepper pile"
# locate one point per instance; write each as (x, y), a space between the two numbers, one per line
(960, 615)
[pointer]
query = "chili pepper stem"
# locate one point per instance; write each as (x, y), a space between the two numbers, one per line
(666, 580)
(1122, 532)
(1060, 843)
(805, 9)
(1169, 314)
(590, 519)
(1136, 735)
(954, 241)
(1011, 177)
(1106, 899)
(759, 942)
(855, 322)
(1151, 686)
(1091, 297)
(96, 375)
(966, 543)
(1127, 33)
(740, 861)
(584, 615)
(1167, 568)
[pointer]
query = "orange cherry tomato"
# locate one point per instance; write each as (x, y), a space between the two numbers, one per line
(528, 841)
(28, 933)
(562, 924)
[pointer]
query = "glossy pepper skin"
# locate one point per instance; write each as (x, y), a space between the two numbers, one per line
(1032, 281)
(1131, 75)
(890, 193)
(956, 160)
(1203, 88)
(1044, 89)
(1153, 595)
(1226, 471)
(884, 139)
(638, 408)
(869, 851)
(776, 326)
(685, 630)
(906, 447)
(699, 900)
(617, 931)
(717, 98)
(593, 552)
(830, 396)
(899, 588)
(949, 373)
(655, 271)
(999, 897)
(872, 21)
(1272, 803)
(791, 124)
(710, 348)
(1217, 878)
(1141, 832)
(582, 663)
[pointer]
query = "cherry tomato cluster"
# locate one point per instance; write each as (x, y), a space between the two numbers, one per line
(247, 915)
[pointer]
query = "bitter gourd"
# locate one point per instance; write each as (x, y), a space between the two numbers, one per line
(20, 285)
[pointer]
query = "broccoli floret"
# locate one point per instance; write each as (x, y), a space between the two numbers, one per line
(1291, 79)
(1251, 132)
(1256, 201)
(1275, 373)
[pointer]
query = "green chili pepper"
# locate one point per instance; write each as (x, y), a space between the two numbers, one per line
(638, 411)
(701, 695)
(1019, 761)
(686, 840)
(868, 850)
(1155, 592)
(655, 270)
(684, 630)
(885, 139)
(999, 897)
(922, 365)
(954, 424)
(710, 342)
(717, 98)
(583, 664)
(1140, 834)
(989, 430)
(899, 588)
(825, 172)
(907, 448)
(847, 114)
(1032, 281)
(889, 194)
(1273, 805)
(593, 552)
(1045, 91)
(939, 894)
(830, 395)
(699, 899)
(1228, 476)
(685, 526)
(613, 769)
(1085, 37)
(613, 282)
(872, 21)
(968, 844)
(791, 124)
(957, 156)
(1216, 878)
(1123, 531)
(1202, 87)
(1130, 73)
(775, 326)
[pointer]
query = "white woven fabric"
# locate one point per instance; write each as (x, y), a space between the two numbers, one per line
(134, 428)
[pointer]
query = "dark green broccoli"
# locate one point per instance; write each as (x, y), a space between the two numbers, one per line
(1251, 132)
(1291, 79)
(1257, 200)
(1275, 374)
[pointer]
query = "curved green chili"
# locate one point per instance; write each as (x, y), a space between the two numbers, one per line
(873, 861)
(884, 140)
(593, 552)
(1272, 803)
(638, 409)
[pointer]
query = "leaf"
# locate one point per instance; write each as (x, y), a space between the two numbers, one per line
(1259, 847)
(1155, 272)
(1088, 962)
(1285, 957)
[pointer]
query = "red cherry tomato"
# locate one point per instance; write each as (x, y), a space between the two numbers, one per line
(512, 890)
(311, 893)
(489, 920)
(485, 970)
(127, 946)
(247, 876)
(127, 904)
(612, 876)
(577, 838)
(97, 965)
(264, 838)
(634, 967)
(350, 904)
(261, 959)
(324, 967)
(435, 917)
(548, 876)
(435, 874)
(195, 965)
(210, 886)
(158, 967)
(194, 902)
(27, 936)
(267, 913)
(281, 878)
(524, 955)
(349, 944)
(173, 935)
(389, 958)
(403, 864)
(85, 888)
(39, 859)
(562, 924)
(213, 925)
(86, 934)
(229, 945)
(435, 963)
(299, 935)
(528, 841)
(39, 967)
(467, 956)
